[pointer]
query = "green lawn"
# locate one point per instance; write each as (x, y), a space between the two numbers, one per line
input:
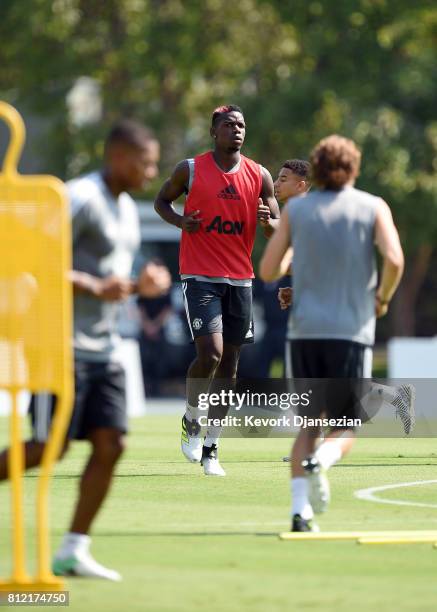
(185, 542)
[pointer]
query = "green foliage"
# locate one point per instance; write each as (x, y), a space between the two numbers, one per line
(299, 69)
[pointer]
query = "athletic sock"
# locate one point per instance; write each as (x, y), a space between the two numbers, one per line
(299, 498)
(212, 436)
(72, 544)
(192, 413)
(328, 453)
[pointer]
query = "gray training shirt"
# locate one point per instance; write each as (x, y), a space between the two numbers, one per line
(334, 270)
(106, 236)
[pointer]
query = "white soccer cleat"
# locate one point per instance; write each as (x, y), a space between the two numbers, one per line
(404, 402)
(83, 564)
(191, 443)
(319, 493)
(210, 462)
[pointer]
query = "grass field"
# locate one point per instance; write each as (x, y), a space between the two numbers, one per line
(186, 542)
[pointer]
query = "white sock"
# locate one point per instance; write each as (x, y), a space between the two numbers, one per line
(212, 436)
(328, 453)
(72, 544)
(192, 413)
(299, 498)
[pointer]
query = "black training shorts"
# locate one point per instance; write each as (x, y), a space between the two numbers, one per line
(219, 308)
(345, 368)
(100, 402)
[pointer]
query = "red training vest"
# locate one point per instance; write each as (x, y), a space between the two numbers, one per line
(228, 203)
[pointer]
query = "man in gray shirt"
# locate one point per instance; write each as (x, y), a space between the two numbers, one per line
(106, 236)
(330, 234)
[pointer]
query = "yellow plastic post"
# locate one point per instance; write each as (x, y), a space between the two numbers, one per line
(16, 473)
(413, 535)
(35, 332)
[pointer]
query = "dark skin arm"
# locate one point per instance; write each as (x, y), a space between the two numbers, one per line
(171, 190)
(268, 207)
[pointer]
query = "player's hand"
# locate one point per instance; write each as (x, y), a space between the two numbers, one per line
(381, 307)
(191, 223)
(113, 289)
(153, 281)
(285, 297)
(263, 213)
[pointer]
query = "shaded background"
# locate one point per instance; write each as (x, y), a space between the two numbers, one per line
(300, 70)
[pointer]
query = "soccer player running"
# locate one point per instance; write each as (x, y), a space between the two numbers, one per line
(105, 237)
(332, 231)
(227, 194)
(293, 180)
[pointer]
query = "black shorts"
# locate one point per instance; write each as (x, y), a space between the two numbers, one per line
(346, 368)
(219, 308)
(99, 402)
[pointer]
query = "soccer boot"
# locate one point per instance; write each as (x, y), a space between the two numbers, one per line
(191, 443)
(210, 462)
(81, 563)
(404, 402)
(301, 524)
(318, 484)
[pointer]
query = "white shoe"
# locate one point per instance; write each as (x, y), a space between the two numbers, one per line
(210, 462)
(319, 493)
(83, 564)
(191, 442)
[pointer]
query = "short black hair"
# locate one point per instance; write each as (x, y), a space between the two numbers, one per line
(298, 166)
(129, 132)
(223, 110)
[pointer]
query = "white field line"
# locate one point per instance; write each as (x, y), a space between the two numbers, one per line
(369, 494)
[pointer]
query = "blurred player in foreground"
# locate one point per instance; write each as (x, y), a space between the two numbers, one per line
(106, 236)
(332, 231)
(226, 195)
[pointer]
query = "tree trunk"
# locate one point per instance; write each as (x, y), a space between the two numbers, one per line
(403, 319)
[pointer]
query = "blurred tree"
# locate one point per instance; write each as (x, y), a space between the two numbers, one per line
(165, 61)
(300, 70)
(367, 70)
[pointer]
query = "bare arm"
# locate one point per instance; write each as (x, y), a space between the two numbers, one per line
(109, 289)
(171, 190)
(268, 209)
(278, 254)
(388, 243)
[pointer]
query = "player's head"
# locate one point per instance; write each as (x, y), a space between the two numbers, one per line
(131, 154)
(335, 162)
(228, 128)
(293, 179)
